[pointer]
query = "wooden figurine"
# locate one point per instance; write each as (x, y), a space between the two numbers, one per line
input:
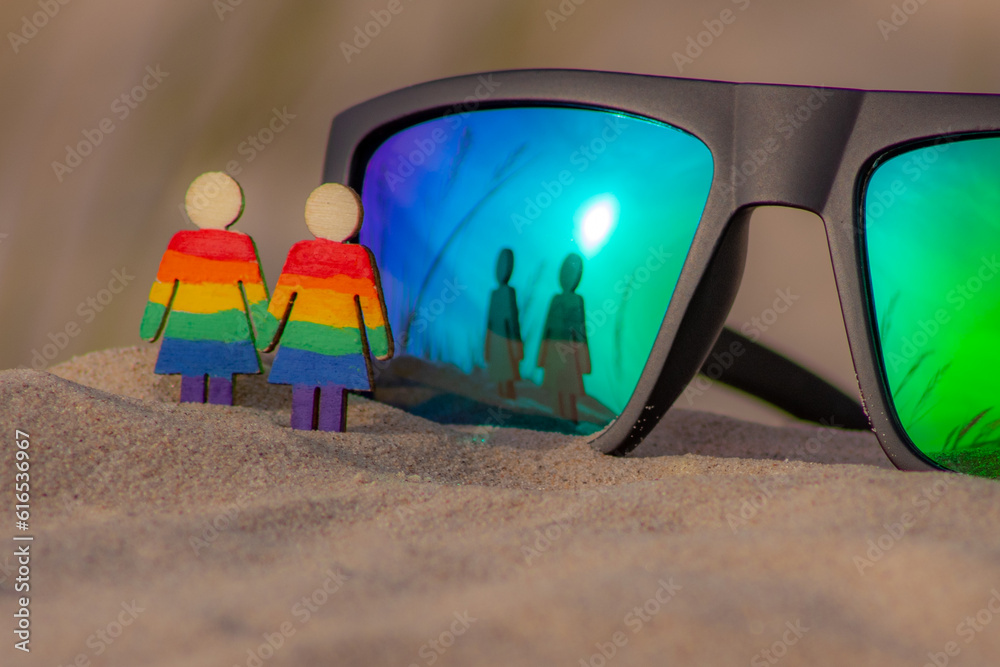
(504, 348)
(208, 289)
(564, 354)
(328, 314)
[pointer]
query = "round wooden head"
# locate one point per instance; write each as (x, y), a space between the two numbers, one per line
(334, 212)
(214, 201)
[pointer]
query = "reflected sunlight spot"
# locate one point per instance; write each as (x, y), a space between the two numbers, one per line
(596, 219)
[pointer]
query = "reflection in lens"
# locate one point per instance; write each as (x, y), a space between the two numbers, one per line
(504, 348)
(595, 221)
(932, 230)
(528, 257)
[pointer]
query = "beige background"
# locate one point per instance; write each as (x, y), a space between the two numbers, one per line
(62, 240)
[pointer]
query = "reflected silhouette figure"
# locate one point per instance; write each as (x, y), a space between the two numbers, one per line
(564, 354)
(504, 348)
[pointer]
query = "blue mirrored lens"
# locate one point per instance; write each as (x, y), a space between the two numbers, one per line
(528, 256)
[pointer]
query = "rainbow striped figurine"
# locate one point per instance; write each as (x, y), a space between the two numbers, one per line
(328, 313)
(208, 289)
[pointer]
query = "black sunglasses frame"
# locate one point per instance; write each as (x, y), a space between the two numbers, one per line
(804, 147)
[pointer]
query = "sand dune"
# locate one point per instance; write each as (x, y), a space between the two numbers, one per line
(205, 535)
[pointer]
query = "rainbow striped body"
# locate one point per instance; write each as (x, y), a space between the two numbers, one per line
(207, 289)
(336, 318)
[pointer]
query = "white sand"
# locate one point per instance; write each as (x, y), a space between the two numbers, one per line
(412, 526)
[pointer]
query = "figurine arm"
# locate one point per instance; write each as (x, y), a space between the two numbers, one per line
(256, 304)
(374, 315)
(255, 297)
(270, 321)
(373, 319)
(161, 296)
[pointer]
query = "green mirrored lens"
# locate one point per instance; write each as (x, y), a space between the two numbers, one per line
(932, 232)
(528, 256)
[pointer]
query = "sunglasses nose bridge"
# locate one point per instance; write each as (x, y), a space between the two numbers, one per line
(789, 141)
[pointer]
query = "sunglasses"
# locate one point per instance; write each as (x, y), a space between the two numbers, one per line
(559, 250)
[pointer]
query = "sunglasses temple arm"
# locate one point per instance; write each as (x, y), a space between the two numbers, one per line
(763, 373)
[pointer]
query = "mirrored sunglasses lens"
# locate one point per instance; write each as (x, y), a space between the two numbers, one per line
(528, 256)
(932, 231)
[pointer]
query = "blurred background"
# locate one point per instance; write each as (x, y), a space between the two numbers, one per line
(163, 91)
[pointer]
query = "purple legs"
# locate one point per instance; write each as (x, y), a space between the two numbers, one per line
(193, 389)
(319, 408)
(303, 404)
(332, 409)
(220, 390)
